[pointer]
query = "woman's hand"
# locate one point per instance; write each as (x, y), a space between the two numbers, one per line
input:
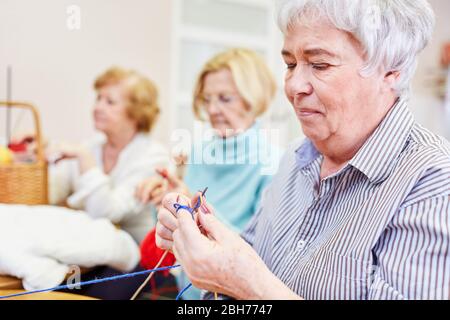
(64, 151)
(215, 258)
(167, 221)
(175, 185)
(154, 189)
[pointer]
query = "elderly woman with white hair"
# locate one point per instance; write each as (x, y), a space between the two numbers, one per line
(361, 208)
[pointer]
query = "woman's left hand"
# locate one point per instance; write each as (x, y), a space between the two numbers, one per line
(218, 260)
(64, 151)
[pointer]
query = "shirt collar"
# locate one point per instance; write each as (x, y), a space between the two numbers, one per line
(376, 159)
(306, 154)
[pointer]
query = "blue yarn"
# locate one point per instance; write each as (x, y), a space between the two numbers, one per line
(183, 291)
(179, 207)
(123, 276)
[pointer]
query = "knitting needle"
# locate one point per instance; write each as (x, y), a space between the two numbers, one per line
(138, 291)
(149, 276)
(200, 200)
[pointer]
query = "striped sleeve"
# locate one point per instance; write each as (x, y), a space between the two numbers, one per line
(413, 257)
(249, 233)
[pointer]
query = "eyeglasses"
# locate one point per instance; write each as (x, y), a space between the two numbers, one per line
(220, 99)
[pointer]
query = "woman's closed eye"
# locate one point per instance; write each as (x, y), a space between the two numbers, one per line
(108, 101)
(290, 66)
(315, 66)
(320, 66)
(205, 100)
(224, 99)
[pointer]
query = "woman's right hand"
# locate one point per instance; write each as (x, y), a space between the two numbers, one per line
(154, 189)
(167, 221)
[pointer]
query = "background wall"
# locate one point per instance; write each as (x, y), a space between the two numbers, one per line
(426, 105)
(54, 67)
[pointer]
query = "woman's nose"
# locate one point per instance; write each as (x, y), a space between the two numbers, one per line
(212, 108)
(298, 83)
(99, 105)
(97, 108)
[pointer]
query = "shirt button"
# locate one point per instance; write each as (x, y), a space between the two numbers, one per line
(301, 245)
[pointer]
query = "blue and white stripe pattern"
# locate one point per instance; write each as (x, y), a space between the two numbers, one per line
(378, 229)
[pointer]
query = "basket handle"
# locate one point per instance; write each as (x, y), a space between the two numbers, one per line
(37, 123)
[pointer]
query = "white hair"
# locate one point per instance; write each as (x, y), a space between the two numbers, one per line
(392, 32)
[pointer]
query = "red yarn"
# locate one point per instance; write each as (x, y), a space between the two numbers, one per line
(151, 254)
(18, 147)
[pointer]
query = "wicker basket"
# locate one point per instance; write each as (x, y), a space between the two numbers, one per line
(25, 183)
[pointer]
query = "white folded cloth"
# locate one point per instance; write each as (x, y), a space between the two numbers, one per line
(39, 244)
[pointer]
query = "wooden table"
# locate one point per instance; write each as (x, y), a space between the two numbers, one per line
(44, 296)
(10, 283)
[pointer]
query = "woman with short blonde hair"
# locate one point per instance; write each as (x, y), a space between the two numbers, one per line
(234, 88)
(102, 175)
(99, 178)
(142, 93)
(254, 81)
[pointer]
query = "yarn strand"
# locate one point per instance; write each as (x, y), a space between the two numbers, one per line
(70, 286)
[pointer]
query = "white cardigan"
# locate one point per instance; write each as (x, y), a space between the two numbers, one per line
(111, 196)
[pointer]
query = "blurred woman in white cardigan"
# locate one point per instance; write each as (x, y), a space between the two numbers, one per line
(100, 177)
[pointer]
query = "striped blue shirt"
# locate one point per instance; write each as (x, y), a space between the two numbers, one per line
(377, 229)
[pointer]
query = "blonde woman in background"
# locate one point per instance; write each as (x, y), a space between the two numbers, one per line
(100, 177)
(233, 90)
